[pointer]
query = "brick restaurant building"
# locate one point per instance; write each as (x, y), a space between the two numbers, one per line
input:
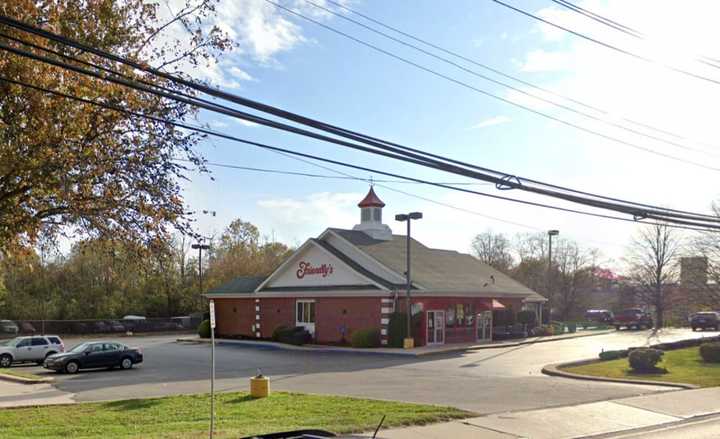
(345, 280)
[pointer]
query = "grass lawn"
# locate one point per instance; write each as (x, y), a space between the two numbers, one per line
(17, 373)
(237, 415)
(683, 365)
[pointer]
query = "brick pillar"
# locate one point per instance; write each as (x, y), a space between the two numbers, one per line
(257, 318)
(385, 311)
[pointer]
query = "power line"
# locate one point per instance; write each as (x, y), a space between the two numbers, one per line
(336, 177)
(694, 227)
(502, 180)
(513, 88)
(607, 45)
(379, 183)
(491, 95)
(501, 73)
(624, 29)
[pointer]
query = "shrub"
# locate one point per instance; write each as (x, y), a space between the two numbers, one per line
(204, 329)
(527, 318)
(397, 328)
(613, 355)
(710, 352)
(366, 338)
(644, 359)
(279, 331)
(295, 336)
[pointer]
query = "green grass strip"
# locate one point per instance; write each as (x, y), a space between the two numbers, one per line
(237, 415)
(683, 366)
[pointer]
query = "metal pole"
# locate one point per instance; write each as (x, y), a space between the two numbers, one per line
(200, 269)
(212, 381)
(549, 267)
(407, 297)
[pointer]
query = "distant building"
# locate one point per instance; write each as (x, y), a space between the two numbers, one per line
(345, 280)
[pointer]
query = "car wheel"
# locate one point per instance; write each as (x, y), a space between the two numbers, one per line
(617, 327)
(5, 360)
(72, 367)
(126, 363)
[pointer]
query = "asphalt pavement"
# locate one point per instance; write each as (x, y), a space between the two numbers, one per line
(486, 382)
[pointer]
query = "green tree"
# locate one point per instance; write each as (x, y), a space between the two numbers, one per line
(87, 169)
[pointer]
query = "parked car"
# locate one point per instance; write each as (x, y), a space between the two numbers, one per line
(30, 349)
(97, 354)
(8, 327)
(599, 316)
(705, 320)
(632, 318)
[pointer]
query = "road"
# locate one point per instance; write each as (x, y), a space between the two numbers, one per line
(486, 381)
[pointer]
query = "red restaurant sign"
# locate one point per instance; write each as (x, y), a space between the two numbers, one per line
(307, 269)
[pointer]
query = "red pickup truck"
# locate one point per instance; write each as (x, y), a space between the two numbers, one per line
(632, 318)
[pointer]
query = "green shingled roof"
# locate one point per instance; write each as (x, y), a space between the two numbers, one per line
(239, 285)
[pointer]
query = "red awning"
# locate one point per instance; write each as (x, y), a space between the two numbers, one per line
(497, 305)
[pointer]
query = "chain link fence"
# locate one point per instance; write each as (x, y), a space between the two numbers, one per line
(12, 328)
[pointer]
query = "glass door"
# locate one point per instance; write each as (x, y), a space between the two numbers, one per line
(484, 326)
(435, 327)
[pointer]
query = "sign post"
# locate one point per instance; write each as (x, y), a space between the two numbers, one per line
(212, 367)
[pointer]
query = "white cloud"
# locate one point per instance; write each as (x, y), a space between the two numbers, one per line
(260, 31)
(246, 123)
(546, 61)
(325, 208)
(218, 124)
(240, 74)
(497, 120)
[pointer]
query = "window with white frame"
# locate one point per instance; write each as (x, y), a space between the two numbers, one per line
(306, 311)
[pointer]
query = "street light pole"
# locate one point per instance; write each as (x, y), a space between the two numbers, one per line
(408, 343)
(551, 233)
(200, 247)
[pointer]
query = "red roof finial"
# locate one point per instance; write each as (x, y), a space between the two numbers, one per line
(371, 200)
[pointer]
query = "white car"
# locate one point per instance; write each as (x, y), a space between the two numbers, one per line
(30, 349)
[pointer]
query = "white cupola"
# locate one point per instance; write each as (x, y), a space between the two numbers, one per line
(371, 217)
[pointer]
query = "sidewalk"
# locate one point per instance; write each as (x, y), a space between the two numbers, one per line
(415, 352)
(575, 421)
(21, 395)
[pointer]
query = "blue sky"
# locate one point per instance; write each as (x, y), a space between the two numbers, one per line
(298, 66)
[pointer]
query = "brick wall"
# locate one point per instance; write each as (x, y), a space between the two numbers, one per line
(234, 316)
(351, 313)
(274, 313)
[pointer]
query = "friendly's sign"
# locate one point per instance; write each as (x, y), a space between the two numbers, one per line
(307, 269)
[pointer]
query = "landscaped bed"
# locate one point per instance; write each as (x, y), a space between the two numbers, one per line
(237, 415)
(683, 366)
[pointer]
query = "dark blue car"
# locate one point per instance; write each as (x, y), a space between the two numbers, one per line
(92, 355)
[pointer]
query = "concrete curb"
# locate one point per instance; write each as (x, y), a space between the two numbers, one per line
(387, 351)
(22, 380)
(537, 340)
(554, 370)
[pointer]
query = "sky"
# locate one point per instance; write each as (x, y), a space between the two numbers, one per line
(302, 67)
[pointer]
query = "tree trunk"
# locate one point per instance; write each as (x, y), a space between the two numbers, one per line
(659, 309)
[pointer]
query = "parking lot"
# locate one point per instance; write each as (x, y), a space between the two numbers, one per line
(485, 381)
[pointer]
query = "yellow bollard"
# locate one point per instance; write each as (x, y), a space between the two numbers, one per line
(259, 386)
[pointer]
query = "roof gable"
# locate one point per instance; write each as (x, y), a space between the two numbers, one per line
(316, 264)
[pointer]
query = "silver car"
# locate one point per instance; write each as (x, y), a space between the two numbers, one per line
(8, 327)
(30, 349)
